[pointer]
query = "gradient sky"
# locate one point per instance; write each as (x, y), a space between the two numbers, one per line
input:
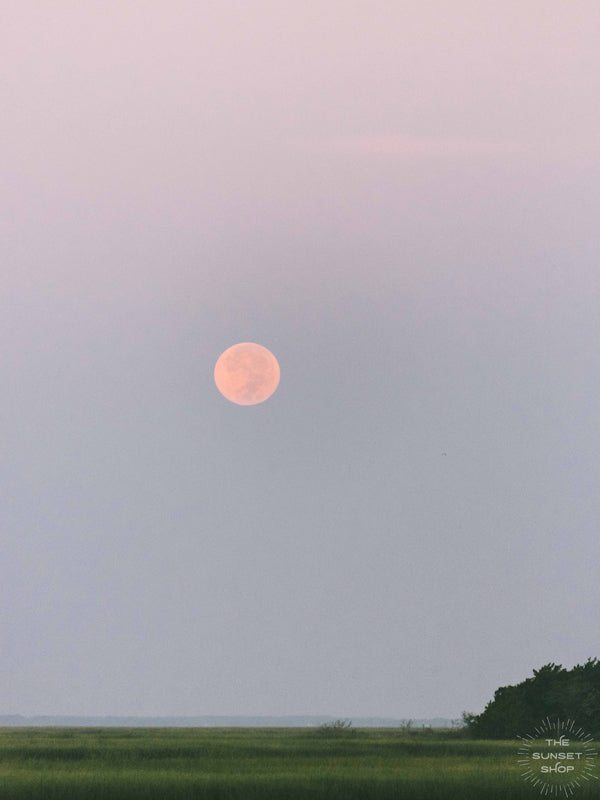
(400, 200)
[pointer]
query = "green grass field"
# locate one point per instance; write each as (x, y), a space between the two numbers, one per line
(252, 763)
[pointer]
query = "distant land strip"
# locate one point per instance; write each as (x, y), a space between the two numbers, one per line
(16, 720)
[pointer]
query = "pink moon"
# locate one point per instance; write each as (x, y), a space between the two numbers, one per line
(247, 373)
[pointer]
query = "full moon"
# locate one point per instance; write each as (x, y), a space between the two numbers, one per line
(247, 373)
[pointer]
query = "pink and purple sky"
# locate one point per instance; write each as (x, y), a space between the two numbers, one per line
(400, 200)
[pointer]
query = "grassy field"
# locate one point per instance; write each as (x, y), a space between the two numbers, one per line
(253, 763)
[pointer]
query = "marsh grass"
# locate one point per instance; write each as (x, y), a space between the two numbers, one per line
(253, 764)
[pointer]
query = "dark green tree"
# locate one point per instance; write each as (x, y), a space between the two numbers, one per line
(553, 692)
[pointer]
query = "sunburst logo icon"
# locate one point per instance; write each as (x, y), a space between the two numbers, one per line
(557, 758)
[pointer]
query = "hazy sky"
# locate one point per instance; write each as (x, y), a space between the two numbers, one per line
(400, 200)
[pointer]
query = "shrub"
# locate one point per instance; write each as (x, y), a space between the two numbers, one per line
(339, 728)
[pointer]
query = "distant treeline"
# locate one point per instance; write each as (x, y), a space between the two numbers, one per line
(553, 692)
(16, 720)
